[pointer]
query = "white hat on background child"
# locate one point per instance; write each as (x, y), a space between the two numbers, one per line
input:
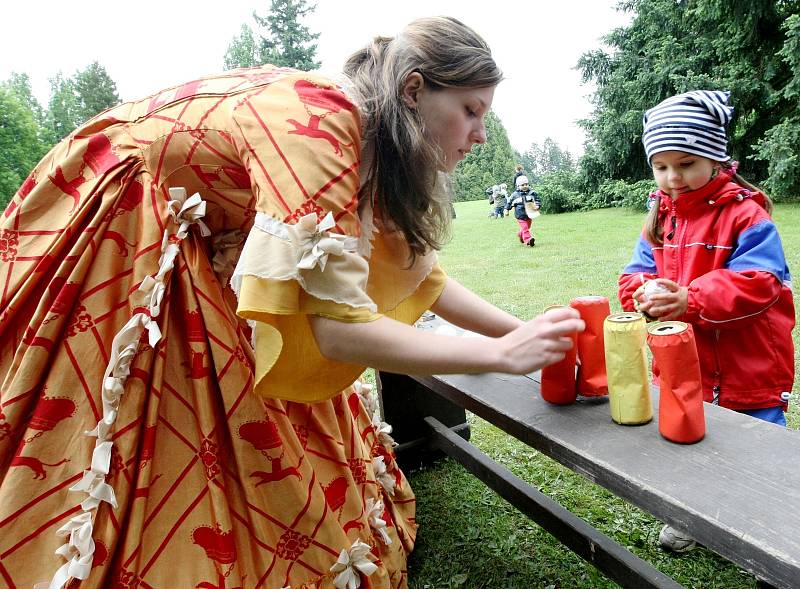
(520, 181)
(693, 122)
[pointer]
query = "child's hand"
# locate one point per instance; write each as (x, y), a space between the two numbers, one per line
(665, 305)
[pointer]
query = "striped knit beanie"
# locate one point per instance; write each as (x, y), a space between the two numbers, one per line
(693, 122)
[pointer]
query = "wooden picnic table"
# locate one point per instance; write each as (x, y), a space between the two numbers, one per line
(737, 491)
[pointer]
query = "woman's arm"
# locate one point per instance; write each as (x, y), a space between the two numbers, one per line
(462, 307)
(389, 345)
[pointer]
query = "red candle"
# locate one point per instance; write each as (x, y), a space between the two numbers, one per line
(680, 409)
(558, 380)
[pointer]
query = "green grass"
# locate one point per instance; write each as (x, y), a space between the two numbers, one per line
(471, 538)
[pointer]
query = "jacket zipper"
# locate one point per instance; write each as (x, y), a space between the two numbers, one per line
(716, 389)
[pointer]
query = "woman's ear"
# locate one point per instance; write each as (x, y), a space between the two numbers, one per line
(412, 88)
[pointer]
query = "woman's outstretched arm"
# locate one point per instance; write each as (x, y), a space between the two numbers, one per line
(462, 307)
(389, 345)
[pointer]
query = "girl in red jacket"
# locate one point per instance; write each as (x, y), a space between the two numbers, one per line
(711, 245)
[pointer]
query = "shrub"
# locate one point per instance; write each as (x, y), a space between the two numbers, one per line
(559, 192)
(618, 193)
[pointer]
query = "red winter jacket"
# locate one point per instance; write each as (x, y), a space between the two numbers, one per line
(721, 243)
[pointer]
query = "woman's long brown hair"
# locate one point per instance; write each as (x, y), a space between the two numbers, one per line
(403, 178)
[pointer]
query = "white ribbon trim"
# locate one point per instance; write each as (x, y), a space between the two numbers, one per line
(185, 211)
(357, 558)
(78, 551)
(383, 430)
(374, 513)
(314, 240)
(368, 397)
(370, 400)
(79, 548)
(385, 479)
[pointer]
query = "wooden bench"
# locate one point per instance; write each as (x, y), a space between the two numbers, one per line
(737, 490)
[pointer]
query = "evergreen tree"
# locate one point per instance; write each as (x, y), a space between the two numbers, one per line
(243, 51)
(20, 84)
(20, 148)
(286, 42)
(75, 100)
(63, 112)
(675, 46)
(96, 91)
(539, 160)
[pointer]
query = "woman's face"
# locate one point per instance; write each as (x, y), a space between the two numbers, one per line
(677, 172)
(453, 117)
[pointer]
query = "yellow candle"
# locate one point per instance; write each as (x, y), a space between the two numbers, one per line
(625, 335)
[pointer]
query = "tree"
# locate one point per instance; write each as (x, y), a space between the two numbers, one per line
(549, 157)
(75, 100)
(286, 42)
(675, 46)
(96, 91)
(243, 51)
(20, 84)
(20, 148)
(63, 113)
(778, 147)
(486, 165)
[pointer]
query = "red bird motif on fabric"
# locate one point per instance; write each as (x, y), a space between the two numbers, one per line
(330, 100)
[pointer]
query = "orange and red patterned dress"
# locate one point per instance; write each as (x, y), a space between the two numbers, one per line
(166, 418)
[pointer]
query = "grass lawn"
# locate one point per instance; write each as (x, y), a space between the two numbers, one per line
(469, 537)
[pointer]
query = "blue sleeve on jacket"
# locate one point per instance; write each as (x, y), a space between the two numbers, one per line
(642, 260)
(759, 248)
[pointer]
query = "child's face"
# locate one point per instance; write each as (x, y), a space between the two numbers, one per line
(677, 172)
(524, 187)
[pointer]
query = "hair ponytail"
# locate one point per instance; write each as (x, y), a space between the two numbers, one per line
(732, 170)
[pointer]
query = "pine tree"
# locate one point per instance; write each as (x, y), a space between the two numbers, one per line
(75, 100)
(286, 42)
(96, 91)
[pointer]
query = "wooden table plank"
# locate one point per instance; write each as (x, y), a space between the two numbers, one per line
(737, 491)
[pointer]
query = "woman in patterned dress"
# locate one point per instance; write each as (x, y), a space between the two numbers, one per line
(192, 284)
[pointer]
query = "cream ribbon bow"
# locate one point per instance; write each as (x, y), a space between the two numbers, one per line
(385, 479)
(376, 522)
(368, 397)
(358, 556)
(185, 211)
(315, 242)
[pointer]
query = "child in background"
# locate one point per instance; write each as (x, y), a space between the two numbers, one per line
(519, 198)
(519, 170)
(500, 200)
(490, 192)
(710, 242)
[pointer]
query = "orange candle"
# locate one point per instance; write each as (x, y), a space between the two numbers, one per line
(592, 380)
(680, 409)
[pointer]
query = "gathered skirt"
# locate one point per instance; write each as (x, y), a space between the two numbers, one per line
(212, 485)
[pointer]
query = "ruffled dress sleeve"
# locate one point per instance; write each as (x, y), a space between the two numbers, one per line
(299, 138)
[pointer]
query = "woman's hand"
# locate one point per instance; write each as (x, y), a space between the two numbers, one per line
(539, 342)
(666, 306)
